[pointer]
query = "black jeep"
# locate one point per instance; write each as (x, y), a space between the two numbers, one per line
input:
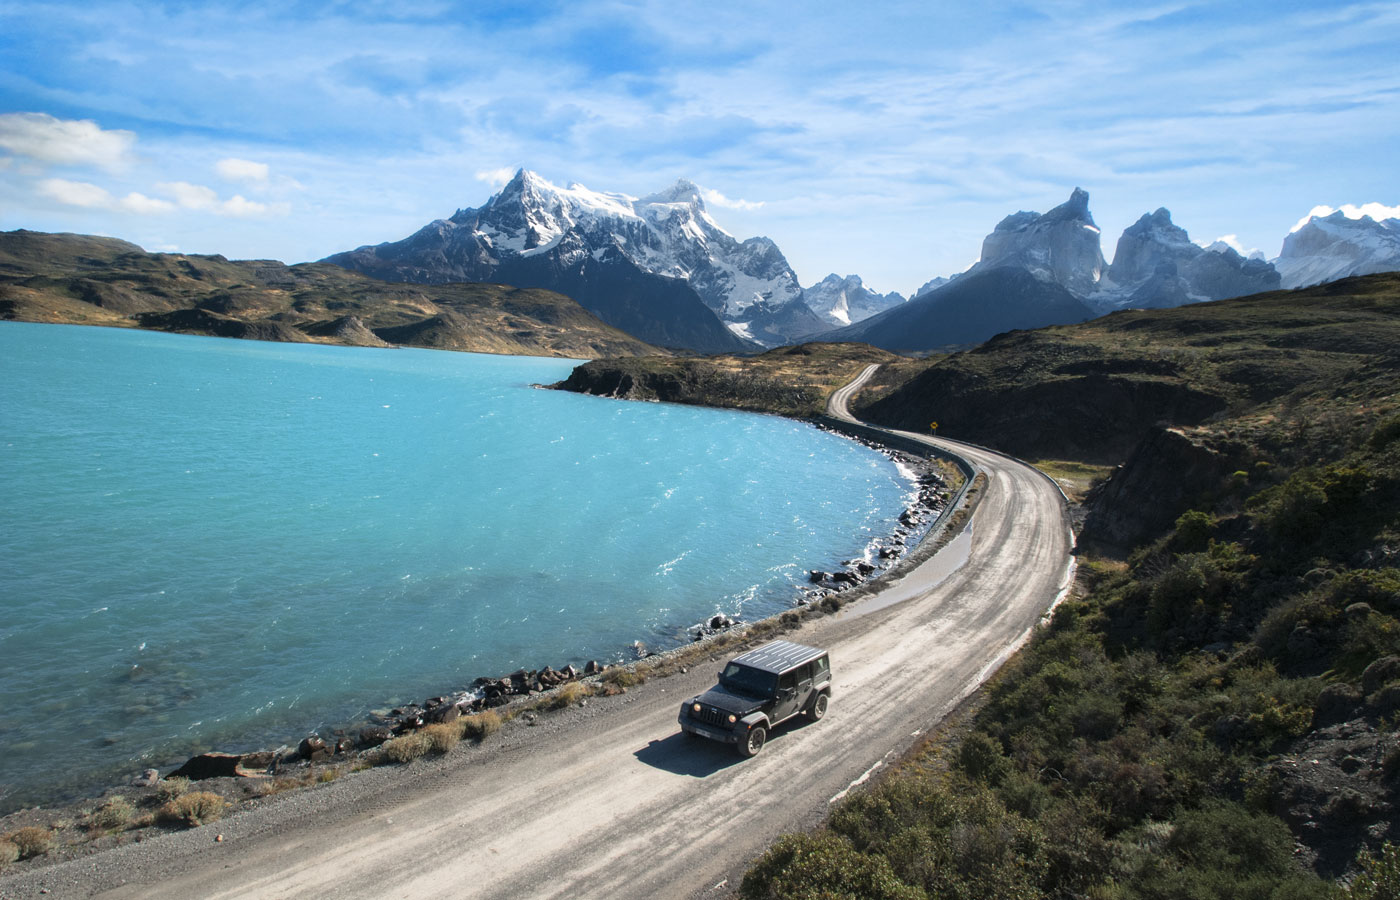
(758, 690)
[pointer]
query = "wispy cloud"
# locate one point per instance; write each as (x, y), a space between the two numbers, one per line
(715, 198)
(497, 178)
(242, 170)
(886, 145)
(91, 196)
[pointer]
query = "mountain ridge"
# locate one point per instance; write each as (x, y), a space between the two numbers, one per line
(83, 279)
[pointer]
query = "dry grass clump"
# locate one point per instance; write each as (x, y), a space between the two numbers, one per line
(193, 810)
(442, 737)
(568, 695)
(478, 727)
(622, 677)
(29, 842)
(116, 814)
(405, 748)
(438, 738)
(9, 853)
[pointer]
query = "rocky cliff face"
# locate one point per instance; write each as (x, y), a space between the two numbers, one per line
(1061, 246)
(1156, 266)
(1156, 485)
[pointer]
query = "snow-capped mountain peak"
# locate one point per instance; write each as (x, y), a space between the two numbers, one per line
(667, 233)
(1338, 245)
(844, 301)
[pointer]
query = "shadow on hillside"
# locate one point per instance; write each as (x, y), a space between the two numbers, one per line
(681, 754)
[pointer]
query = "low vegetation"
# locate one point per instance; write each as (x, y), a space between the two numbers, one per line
(793, 381)
(1214, 712)
(115, 814)
(192, 809)
(28, 842)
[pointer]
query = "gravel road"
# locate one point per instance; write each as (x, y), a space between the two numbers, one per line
(610, 799)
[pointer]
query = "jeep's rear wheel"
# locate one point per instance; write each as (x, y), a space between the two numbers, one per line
(818, 707)
(753, 743)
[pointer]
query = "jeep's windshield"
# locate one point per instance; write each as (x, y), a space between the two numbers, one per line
(745, 680)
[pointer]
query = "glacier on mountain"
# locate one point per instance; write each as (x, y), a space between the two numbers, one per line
(1325, 248)
(843, 301)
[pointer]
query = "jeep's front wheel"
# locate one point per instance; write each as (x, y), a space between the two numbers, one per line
(818, 707)
(753, 743)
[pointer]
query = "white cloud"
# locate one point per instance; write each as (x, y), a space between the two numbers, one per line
(1375, 210)
(91, 196)
(241, 207)
(243, 170)
(497, 178)
(42, 137)
(76, 193)
(190, 196)
(715, 198)
(140, 203)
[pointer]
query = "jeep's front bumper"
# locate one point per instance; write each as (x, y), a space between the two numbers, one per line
(690, 726)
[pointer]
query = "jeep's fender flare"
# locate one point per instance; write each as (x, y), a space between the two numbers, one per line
(752, 719)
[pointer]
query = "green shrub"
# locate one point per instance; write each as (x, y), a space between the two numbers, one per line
(1193, 531)
(981, 757)
(113, 815)
(193, 810)
(168, 789)
(31, 841)
(1380, 875)
(825, 866)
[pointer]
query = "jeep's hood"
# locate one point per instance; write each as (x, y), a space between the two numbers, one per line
(729, 701)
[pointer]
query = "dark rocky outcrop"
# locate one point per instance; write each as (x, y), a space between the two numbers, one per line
(1148, 492)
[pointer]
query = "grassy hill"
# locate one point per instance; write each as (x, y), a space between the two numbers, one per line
(1093, 391)
(1213, 713)
(792, 381)
(79, 279)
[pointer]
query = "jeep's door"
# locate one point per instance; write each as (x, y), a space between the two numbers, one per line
(785, 705)
(804, 686)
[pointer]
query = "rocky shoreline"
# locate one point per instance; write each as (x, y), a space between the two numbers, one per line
(489, 693)
(330, 750)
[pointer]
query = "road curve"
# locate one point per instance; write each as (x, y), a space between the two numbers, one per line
(610, 800)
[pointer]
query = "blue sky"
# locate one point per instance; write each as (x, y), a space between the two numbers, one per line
(878, 139)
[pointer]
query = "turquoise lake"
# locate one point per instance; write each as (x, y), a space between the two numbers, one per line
(225, 544)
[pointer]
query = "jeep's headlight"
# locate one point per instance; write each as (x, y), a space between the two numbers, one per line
(695, 708)
(733, 719)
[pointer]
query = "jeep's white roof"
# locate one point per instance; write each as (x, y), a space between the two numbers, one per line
(779, 656)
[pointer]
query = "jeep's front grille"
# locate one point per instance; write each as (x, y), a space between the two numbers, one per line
(711, 716)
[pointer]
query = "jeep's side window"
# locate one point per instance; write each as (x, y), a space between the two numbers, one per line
(787, 682)
(804, 678)
(820, 667)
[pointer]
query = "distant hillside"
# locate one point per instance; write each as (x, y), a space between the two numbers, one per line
(792, 381)
(80, 279)
(1093, 391)
(967, 311)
